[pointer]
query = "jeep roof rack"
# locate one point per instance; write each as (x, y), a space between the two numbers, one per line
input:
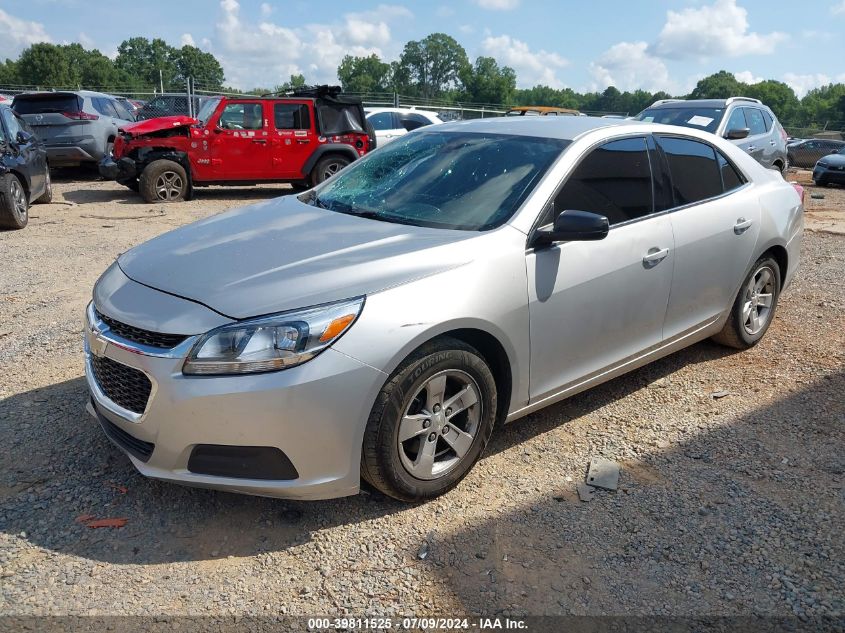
(314, 92)
(733, 99)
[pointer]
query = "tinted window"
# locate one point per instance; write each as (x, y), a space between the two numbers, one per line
(730, 176)
(693, 168)
(614, 180)
(755, 120)
(736, 121)
(38, 104)
(768, 119)
(122, 111)
(12, 124)
(291, 116)
(412, 121)
(381, 121)
(458, 180)
(687, 116)
(103, 106)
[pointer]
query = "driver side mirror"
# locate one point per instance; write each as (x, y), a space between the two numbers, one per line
(572, 226)
(24, 137)
(737, 133)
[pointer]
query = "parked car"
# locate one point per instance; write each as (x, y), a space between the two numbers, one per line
(542, 111)
(291, 347)
(301, 140)
(169, 105)
(76, 127)
(24, 172)
(830, 169)
(746, 122)
(133, 106)
(391, 123)
(806, 153)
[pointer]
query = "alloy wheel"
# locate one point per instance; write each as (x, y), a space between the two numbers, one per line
(169, 185)
(331, 169)
(758, 300)
(18, 199)
(440, 424)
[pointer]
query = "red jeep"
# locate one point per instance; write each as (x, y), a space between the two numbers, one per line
(302, 139)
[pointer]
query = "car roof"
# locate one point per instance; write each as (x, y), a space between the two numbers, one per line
(399, 110)
(565, 128)
(77, 93)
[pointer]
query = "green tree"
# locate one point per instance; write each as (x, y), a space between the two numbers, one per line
(151, 62)
(202, 67)
(431, 66)
(486, 82)
(295, 82)
(47, 65)
(720, 85)
(365, 74)
(777, 95)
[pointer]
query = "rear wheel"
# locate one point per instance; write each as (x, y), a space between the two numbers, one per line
(327, 167)
(163, 181)
(430, 423)
(754, 307)
(47, 196)
(14, 205)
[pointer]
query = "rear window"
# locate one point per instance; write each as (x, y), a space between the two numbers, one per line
(36, 104)
(695, 173)
(336, 118)
(707, 119)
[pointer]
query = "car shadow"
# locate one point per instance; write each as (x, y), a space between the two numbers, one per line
(74, 472)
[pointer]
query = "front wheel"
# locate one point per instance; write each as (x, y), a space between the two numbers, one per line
(328, 167)
(754, 307)
(430, 423)
(163, 181)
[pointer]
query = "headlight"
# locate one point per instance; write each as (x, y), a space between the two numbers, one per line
(821, 164)
(273, 342)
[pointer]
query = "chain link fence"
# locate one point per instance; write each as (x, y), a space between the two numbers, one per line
(808, 142)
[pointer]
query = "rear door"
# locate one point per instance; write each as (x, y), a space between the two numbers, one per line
(293, 138)
(387, 126)
(715, 221)
(108, 115)
(757, 142)
(240, 149)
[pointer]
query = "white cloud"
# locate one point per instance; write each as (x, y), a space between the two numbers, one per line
(266, 54)
(86, 41)
(17, 34)
(266, 9)
(187, 40)
(630, 66)
(802, 84)
(747, 77)
(498, 5)
(531, 68)
(838, 8)
(716, 30)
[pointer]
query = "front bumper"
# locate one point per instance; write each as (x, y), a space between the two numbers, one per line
(828, 174)
(314, 414)
(122, 169)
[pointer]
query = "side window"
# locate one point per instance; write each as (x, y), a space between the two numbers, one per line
(382, 121)
(3, 138)
(291, 116)
(731, 178)
(122, 112)
(242, 116)
(755, 121)
(413, 121)
(614, 180)
(768, 119)
(104, 106)
(692, 165)
(12, 124)
(736, 121)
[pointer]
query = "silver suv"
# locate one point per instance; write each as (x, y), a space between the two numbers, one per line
(77, 127)
(744, 121)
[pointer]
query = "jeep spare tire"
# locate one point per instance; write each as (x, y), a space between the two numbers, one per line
(327, 167)
(163, 181)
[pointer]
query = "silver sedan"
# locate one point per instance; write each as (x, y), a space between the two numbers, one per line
(383, 324)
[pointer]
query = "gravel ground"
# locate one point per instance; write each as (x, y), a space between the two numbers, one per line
(726, 506)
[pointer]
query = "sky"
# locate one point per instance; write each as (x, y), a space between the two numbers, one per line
(650, 44)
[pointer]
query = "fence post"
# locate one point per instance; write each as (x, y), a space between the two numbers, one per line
(188, 96)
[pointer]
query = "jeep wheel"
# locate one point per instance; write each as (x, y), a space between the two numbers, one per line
(163, 181)
(328, 167)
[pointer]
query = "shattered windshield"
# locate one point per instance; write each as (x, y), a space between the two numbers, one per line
(455, 180)
(207, 109)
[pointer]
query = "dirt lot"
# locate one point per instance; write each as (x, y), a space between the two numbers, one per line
(730, 505)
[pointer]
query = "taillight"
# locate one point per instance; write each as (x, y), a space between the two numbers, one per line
(80, 116)
(799, 189)
(783, 133)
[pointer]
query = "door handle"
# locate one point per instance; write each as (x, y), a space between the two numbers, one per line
(303, 141)
(750, 148)
(772, 143)
(655, 256)
(742, 225)
(261, 141)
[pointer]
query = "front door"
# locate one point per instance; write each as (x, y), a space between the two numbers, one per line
(30, 157)
(293, 138)
(594, 304)
(240, 149)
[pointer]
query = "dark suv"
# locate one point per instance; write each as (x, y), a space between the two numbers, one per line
(302, 139)
(746, 122)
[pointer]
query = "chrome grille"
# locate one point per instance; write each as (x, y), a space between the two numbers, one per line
(144, 337)
(125, 386)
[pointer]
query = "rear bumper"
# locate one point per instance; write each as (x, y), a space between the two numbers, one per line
(122, 169)
(73, 151)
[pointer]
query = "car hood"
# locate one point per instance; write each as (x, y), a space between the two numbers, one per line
(156, 125)
(283, 254)
(834, 160)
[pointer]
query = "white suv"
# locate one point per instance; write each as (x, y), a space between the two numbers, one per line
(391, 123)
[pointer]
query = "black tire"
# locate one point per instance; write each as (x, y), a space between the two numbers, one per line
(131, 183)
(736, 333)
(382, 453)
(14, 203)
(328, 166)
(163, 181)
(47, 196)
(820, 183)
